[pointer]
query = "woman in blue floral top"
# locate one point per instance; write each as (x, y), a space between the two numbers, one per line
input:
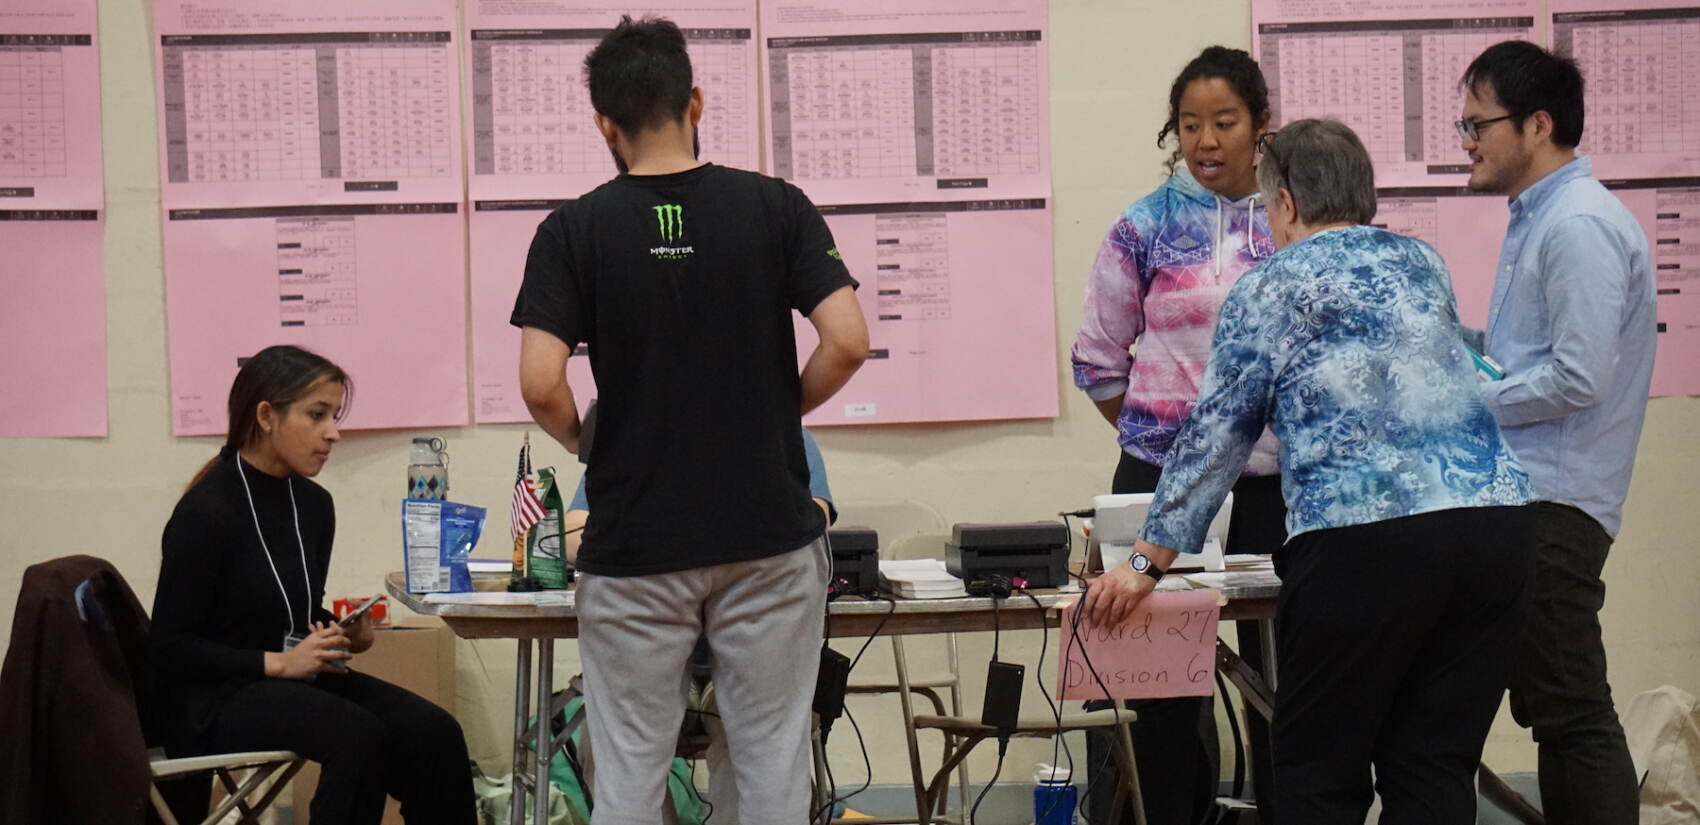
(1404, 578)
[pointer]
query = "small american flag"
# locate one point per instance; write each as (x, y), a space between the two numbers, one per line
(527, 509)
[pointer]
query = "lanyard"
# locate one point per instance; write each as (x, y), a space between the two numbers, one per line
(306, 580)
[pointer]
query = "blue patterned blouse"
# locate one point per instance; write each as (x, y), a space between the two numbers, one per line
(1347, 345)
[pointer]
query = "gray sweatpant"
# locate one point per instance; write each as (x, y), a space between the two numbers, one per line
(763, 622)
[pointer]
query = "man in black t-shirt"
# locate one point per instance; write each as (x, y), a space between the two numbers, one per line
(681, 277)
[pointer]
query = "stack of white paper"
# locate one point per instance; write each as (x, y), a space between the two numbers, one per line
(920, 579)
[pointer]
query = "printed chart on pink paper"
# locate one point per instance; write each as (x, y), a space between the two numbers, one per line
(1465, 227)
(54, 323)
(378, 288)
(50, 106)
(1669, 210)
(1387, 69)
(530, 127)
(316, 101)
(501, 232)
(1642, 65)
(959, 299)
(875, 102)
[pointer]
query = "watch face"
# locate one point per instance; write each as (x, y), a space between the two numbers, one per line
(1141, 563)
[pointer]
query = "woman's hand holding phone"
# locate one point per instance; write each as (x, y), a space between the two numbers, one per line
(323, 651)
(359, 633)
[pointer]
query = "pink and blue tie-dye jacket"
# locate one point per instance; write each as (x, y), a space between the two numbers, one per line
(1159, 280)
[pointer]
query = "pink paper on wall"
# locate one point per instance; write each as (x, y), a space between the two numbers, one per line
(529, 113)
(501, 235)
(53, 324)
(1641, 61)
(959, 301)
(878, 101)
(1168, 648)
(311, 101)
(1387, 68)
(378, 288)
(50, 106)
(1669, 212)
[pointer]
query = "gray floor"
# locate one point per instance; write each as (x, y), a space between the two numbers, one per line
(1012, 803)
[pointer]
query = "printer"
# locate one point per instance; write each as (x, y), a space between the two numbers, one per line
(855, 560)
(1116, 520)
(1031, 554)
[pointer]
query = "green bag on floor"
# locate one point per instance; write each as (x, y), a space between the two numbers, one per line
(569, 766)
(495, 802)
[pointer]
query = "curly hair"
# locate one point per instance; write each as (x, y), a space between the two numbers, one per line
(1233, 66)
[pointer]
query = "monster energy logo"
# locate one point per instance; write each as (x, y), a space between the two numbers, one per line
(670, 219)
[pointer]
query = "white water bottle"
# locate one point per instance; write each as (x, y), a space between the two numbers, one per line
(428, 470)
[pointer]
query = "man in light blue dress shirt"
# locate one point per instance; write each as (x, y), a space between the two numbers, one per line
(1572, 324)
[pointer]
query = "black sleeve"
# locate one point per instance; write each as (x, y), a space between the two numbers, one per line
(191, 570)
(549, 298)
(816, 267)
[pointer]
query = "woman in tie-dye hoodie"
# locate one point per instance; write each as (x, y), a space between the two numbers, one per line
(1161, 275)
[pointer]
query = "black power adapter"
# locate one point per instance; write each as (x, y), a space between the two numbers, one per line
(829, 688)
(1003, 697)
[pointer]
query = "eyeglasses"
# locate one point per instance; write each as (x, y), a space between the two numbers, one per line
(1266, 145)
(1472, 129)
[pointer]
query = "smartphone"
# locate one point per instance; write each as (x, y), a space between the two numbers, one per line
(357, 612)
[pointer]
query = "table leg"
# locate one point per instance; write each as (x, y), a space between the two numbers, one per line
(545, 689)
(1249, 682)
(1266, 630)
(522, 708)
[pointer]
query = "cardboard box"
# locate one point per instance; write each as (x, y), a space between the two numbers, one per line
(417, 654)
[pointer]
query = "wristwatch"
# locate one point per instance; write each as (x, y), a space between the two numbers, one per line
(1142, 564)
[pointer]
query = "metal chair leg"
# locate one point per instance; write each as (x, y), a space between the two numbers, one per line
(1507, 798)
(954, 758)
(821, 789)
(963, 789)
(922, 807)
(1129, 766)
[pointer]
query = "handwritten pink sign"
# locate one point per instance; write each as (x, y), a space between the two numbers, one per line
(1168, 648)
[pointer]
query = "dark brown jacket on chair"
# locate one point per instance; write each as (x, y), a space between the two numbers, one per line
(73, 750)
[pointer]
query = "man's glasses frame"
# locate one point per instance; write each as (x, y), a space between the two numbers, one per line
(1472, 129)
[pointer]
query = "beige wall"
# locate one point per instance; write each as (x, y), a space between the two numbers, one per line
(1112, 61)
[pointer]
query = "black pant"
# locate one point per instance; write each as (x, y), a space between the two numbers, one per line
(1560, 687)
(1175, 739)
(370, 737)
(1396, 642)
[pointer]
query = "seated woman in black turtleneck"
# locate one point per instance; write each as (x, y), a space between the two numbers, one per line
(252, 660)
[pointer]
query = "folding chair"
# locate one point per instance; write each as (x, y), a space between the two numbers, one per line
(963, 734)
(912, 530)
(269, 773)
(252, 796)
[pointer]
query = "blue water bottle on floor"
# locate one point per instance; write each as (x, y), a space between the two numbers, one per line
(1054, 799)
